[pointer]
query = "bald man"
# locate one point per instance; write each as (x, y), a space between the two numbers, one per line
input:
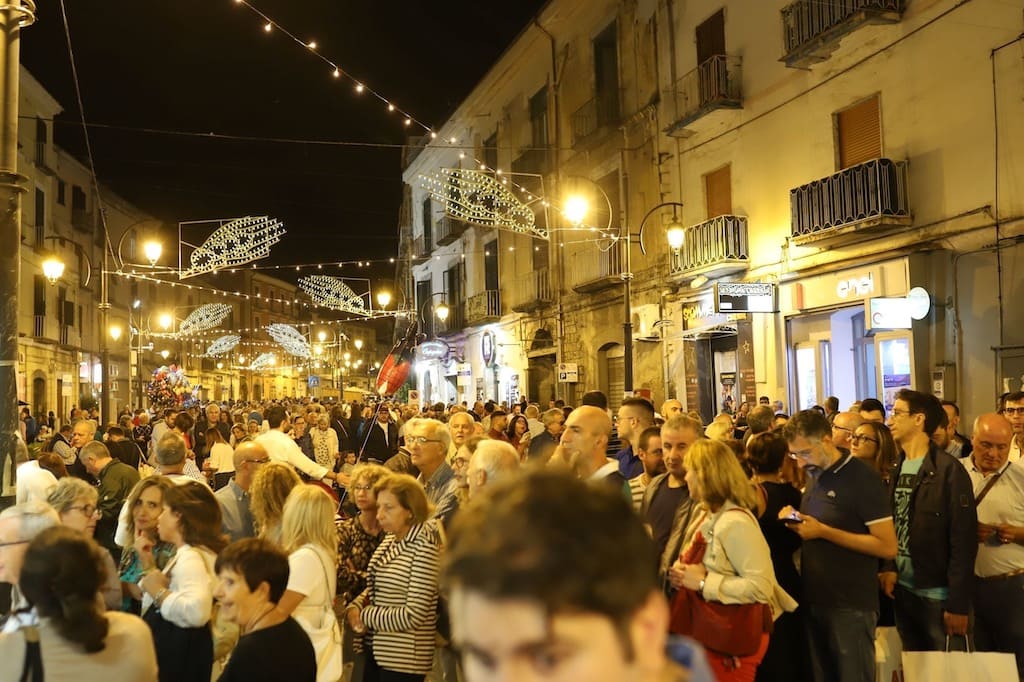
(999, 567)
(492, 460)
(233, 498)
(584, 442)
(671, 408)
(844, 424)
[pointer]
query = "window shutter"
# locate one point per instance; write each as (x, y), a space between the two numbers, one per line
(860, 133)
(718, 192)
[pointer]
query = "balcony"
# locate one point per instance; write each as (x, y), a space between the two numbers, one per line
(419, 247)
(713, 248)
(812, 29)
(531, 292)
(594, 270)
(42, 159)
(706, 96)
(483, 307)
(871, 197)
(448, 229)
(532, 161)
(82, 220)
(598, 115)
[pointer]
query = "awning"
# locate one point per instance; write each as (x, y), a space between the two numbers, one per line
(711, 331)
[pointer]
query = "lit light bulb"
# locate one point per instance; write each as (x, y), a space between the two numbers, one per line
(391, 107)
(312, 45)
(359, 87)
(267, 27)
(337, 73)
(408, 121)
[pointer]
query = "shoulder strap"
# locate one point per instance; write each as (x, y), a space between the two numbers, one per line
(988, 486)
(32, 671)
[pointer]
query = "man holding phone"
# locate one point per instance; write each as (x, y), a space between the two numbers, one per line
(846, 525)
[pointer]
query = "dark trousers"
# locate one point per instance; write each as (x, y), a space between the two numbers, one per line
(999, 617)
(841, 643)
(375, 673)
(920, 624)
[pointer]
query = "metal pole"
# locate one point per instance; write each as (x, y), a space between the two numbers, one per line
(627, 319)
(13, 16)
(104, 341)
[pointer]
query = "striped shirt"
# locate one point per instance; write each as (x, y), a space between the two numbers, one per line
(402, 588)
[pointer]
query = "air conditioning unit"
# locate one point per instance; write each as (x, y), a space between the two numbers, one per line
(645, 322)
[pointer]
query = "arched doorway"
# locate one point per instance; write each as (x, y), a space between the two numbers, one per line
(39, 396)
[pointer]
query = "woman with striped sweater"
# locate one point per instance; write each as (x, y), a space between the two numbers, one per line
(398, 609)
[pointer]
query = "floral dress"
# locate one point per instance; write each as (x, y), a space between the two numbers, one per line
(130, 570)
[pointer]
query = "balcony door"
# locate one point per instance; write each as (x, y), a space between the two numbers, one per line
(711, 44)
(606, 75)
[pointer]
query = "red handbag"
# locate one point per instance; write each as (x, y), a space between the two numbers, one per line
(729, 629)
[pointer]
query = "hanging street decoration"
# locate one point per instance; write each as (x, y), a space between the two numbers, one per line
(480, 198)
(263, 361)
(170, 388)
(234, 243)
(333, 293)
(224, 344)
(206, 316)
(290, 338)
(395, 369)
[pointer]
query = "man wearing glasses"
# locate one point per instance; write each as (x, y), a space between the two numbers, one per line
(1013, 410)
(428, 441)
(236, 518)
(846, 525)
(936, 526)
(844, 424)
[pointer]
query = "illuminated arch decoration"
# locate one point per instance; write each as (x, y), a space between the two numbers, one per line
(290, 338)
(224, 344)
(235, 243)
(263, 361)
(332, 292)
(204, 317)
(481, 198)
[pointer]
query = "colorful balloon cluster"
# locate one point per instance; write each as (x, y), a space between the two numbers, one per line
(170, 388)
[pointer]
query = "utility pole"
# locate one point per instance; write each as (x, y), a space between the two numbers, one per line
(14, 16)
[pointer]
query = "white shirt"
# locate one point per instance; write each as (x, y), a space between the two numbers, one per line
(1014, 450)
(282, 448)
(312, 573)
(222, 458)
(1004, 503)
(536, 427)
(34, 482)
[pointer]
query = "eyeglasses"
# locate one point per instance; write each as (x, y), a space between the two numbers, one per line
(14, 542)
(365, 488)
(857, 439)
(86, 509)
(422, 440)
(1013, 411)
(802, 454)
(901, 413)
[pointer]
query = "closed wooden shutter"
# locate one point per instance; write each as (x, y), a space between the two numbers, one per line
(860, 133)
(718, 192)
(615, 372)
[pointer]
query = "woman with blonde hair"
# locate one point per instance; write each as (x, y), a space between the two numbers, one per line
(75, 502)
(310, 539)
(728, 561)
(270, 488)
(145, 502)
(399, 606)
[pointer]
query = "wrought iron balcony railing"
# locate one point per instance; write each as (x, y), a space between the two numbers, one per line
(448, 229)
(717, 246)
(419, 247)
(861, 197)
(530, 292)
(812, 29)
(533, 161)
(589, 271)
(483, 307)
(714, 85)
(599, 113)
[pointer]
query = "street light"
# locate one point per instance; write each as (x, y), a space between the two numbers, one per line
(358, 344)
(383, 299)
(152, 250)
(53, 269)
(115, 332)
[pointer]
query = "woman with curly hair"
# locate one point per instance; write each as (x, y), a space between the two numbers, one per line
(518, 433)
(60, 577)
(268, 493)
(177, 602)
(144, 504)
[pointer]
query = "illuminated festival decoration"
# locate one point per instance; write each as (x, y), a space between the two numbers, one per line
(204, 317)
(290, 338)
(235, 243)
(480, 198)
(263, 361)
(224, 344)
(332, 292)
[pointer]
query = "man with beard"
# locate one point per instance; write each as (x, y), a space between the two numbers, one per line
(648, 449)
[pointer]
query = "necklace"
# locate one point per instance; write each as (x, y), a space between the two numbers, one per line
(253, 623)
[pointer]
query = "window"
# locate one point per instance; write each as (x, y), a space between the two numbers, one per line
(606, 75)
(711, 44)
(490, 151)
(718, 192)
(428, 219)
(39, 296)
(491, 265)
(77, 198)
(40, 223)
(61, 189)
(539, 118)
(859, 133)
(42, 137)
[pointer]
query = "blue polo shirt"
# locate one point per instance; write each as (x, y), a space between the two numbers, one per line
(850, 496)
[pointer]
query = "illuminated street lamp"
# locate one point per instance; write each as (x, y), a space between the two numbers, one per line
(152, 250)
(359, 344)
(165, 320)
(383, 299)
(442, 312)
(165, 353)
(115, 332)
(575, 209)
(53, 269)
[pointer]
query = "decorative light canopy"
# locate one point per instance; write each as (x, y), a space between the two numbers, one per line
(224, 344)
(263, 361)
(204, 317)
(332, 292)
(478, 197)
(235, 243)
(290, 338)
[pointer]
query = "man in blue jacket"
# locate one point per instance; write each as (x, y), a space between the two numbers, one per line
(936, 529)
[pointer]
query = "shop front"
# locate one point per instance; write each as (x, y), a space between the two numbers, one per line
(849, 334)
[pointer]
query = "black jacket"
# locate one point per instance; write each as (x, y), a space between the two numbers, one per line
(943, 527)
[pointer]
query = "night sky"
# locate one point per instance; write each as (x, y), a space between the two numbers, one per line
(202, 66)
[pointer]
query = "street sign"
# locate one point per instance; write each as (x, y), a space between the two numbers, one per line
(568, 372)
(314, 381)
(745, 297)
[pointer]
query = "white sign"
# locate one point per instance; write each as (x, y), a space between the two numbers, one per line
(858, 287)
(568, 372)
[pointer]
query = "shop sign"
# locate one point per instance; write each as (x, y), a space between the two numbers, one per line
(745, 297)
(463, 374)
(568, 372)
(487, 348)
(698, 311)
(888, 313)
(856, 287)
(513, 389)
(434, 350)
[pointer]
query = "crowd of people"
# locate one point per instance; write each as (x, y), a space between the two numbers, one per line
(294, 540)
